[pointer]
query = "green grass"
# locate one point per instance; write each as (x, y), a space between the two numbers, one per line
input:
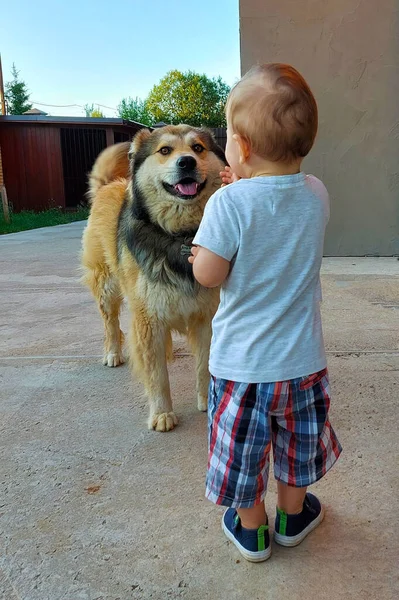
(28, 219)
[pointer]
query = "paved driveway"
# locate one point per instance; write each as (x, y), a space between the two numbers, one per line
(93, 506)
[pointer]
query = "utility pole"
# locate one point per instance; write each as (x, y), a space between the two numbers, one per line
(2, 97)
(3, 191)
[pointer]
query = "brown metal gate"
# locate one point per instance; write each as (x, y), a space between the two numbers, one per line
(80, 148)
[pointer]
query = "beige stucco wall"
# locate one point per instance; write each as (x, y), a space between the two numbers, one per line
(348, 50)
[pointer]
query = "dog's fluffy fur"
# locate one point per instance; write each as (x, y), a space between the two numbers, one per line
(132, 247)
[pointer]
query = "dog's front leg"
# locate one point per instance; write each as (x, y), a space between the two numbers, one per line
(199, 335)
(148, 352)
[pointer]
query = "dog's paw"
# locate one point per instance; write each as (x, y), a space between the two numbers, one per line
(202, 403)
(113, 359)
(163, 421)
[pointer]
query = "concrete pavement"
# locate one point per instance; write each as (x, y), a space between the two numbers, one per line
(95, 507)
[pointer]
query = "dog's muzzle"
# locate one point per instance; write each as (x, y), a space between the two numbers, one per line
(186, 189)
(187, 186)
(186, 163)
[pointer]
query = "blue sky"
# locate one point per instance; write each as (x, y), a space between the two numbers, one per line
(78, 52)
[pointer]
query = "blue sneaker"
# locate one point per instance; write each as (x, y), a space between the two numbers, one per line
(291, 530)
(254, 544)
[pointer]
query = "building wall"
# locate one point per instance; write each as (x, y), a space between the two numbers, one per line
(40, 171)
(349, 53)
(32, 166)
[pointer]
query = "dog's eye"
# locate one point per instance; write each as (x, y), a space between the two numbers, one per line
(165, 150)
(198, 148)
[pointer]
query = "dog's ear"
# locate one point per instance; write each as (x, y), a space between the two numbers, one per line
(138, 140)
(213, 145)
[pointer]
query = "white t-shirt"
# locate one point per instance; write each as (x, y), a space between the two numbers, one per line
(268, 324)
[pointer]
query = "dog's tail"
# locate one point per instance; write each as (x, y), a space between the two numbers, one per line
(111, 164)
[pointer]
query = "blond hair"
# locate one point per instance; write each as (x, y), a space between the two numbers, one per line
(273, 109)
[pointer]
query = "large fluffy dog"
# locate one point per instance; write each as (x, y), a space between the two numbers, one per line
(135, 246)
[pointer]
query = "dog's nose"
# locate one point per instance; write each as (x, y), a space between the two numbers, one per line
(186, 162)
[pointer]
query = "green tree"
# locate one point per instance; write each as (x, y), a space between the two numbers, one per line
(189, 98)
(17, 95)
(135, 109)
(90, 111)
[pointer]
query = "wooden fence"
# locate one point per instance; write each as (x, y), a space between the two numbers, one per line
(221, 136)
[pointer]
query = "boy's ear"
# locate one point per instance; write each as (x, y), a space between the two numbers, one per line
(244, 148)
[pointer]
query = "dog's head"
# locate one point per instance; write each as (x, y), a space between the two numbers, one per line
(175, 170)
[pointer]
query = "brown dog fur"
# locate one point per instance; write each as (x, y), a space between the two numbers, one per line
(160, 299)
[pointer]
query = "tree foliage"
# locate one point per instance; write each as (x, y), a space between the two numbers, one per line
(189, 98)
(135, 109)
(16, 94)
(90, 111)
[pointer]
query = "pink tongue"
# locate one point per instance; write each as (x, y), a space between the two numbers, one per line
(187, 189)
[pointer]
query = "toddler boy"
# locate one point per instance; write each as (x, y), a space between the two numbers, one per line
(261, 239)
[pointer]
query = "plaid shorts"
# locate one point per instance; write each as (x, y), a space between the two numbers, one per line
(245, 420)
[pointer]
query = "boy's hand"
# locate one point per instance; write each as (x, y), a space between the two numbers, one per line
(228, 176)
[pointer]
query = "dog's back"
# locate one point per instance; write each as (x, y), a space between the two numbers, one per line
(112, 164)
(107, 188)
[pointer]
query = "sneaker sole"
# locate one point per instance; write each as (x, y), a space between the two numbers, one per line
(260, 556)
(294, 540)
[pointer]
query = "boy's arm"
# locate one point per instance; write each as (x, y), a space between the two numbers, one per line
(209, 269)
(216, 241)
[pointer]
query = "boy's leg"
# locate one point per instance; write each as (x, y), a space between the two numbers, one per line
(305, 448)
(239, 448)
(252, 518)
(290, 499)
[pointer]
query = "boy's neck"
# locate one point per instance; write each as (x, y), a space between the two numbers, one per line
(258, 167)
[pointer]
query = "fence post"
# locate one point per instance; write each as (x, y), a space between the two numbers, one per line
(4, 199)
